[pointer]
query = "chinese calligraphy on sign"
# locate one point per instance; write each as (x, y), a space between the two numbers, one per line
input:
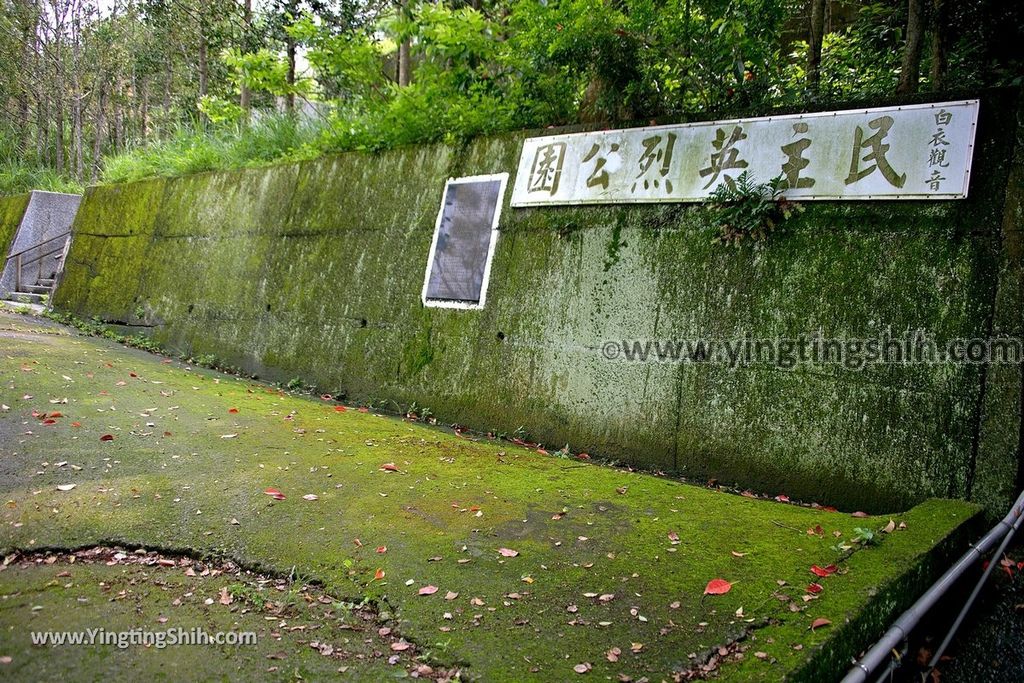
(912, 152)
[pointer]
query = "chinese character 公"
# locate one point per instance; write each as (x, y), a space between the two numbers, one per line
(547, 168)
(599, 176)
(877, 154)
(726, 156)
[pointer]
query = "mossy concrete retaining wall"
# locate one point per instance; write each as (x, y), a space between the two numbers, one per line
(12, 209)
(314, 270)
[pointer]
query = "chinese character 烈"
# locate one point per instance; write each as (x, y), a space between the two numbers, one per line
(655, 153)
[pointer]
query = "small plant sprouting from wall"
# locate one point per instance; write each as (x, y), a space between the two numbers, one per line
(749, 211)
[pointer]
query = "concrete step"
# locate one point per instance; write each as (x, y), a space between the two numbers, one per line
(46, 281)
(28, 297)
(37, 289)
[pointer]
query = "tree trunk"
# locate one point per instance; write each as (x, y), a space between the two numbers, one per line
(817, 33)
(404, 67)
(245, 96)
(911, 71)
(940, 44)
(99, 126)
(203, 66)
(28, 36)
(290, 96)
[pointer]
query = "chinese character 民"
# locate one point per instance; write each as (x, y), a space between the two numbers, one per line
(935, 179)
(654, 152)
(795, 161)
(547, 168)
(599, 176)
(877, 154)
(725, 157)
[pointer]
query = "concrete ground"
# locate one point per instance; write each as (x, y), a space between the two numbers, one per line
(480, 558)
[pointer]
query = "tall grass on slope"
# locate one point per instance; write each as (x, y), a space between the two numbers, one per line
(17, 177)
(190, 149)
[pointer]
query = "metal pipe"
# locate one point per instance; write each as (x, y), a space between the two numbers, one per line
(898, 632)
(974, 594)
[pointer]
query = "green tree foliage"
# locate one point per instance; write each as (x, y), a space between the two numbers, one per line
(153, 86)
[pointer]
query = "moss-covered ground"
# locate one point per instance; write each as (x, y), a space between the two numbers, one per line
(542, 565)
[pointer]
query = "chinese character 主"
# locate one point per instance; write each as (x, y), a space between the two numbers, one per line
(877, 154)
(655, 152)
(599, 176)
(725, 157)
(547, 168)
(795, 161)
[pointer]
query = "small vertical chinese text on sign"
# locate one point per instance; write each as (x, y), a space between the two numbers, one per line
(912, 152)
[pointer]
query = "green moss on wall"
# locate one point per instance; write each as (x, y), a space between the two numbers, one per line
(11, 211)
(314, 270)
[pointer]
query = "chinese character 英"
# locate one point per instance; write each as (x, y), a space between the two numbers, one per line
(547, 168)
(654, 153)
(599, 176)
(877, 154)
(725, 157)
(795, 161)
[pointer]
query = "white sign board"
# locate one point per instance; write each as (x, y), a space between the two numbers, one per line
(912, 152)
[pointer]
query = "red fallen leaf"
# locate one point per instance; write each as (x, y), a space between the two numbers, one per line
(674, 537)
(166, 361)
(167, 433)
(36, 413)
(819, 622)
(232, 410)
(508, 552)
(378, 575)
(782, 498)
(389, 467)
(823, 571)
(326, 397)
(428, 590)
(132, 374)
(76, 424)
(364, 410)
(583, 456)
(358, 543)
(828, 508)
(274, 493)
(542, 451)
(717, 587)
(107, 437)
(49, 422)
(339, 409)
(57, 414)
(816, 531)
(382, 549)
(814, 588)
(1020, 565)
(858, 513)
